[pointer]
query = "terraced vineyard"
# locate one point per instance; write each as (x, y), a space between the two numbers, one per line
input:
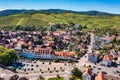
(41, 19)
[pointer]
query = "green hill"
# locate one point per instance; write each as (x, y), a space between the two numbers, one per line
(42, 19)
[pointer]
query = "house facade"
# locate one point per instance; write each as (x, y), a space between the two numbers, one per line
(93, 58)
(27, 54)
(64, 55)
(43, 53)
(38, 53)
(87, 75)
(107, 60)
(47, 53)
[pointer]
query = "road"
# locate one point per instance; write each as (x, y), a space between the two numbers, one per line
(34, 76)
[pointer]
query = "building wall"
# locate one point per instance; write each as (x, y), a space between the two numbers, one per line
(92, 59)
(31, 55)
(45, 56)
(28, 54)
(87, 77)
(106, 63)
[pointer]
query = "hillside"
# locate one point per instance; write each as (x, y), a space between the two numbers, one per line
(56, 11)
(36, 18)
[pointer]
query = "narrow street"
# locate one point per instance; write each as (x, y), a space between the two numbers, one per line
(83, 60)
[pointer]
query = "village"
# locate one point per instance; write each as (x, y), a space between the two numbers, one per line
(58, 51)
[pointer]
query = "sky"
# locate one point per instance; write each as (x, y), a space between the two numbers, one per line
(111, 6)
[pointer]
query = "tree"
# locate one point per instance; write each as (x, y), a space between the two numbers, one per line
(113, 40)
(69, 47)
(58, 26)
(77, 73)
(14, 77)
(2, 78)
(73, 78)
(24, 46)
(23, 78)
(54, 39)
(41, 78)
(54, 68)
(48, 69)
(60, 68)
(71, 23)
(18, 27)
(55, 78)
(7, 56)
(105, 49)
(58, 76)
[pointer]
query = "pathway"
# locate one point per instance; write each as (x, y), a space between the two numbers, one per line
(20, 21)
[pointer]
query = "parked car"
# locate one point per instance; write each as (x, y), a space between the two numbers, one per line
(104, 72)
(94, 67)
(115, 71)
(99, 68)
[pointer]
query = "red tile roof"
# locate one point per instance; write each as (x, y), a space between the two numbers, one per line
(39, 50)
(59, 53)
(100, 76)
(88, 71)
(107, 57)
(118, 52)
